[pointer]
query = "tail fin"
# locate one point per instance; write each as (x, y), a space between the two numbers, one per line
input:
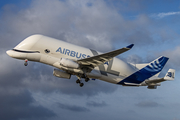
(157, 65)
(150, 70)
(170, 75)
(154, 66)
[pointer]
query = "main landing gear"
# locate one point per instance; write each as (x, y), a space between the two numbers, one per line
(26, 62)
(86, 79)
(78, 81)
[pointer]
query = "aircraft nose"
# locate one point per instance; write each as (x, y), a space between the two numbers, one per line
(10, 53)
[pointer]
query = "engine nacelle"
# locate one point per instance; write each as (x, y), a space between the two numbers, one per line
(68, 63)
(61, 74)
(152, 87)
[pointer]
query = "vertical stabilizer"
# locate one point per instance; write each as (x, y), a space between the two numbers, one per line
(150, 70)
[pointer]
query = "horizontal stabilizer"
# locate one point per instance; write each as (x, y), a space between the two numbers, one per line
(130, 84)
(170, 75)
(152, 84)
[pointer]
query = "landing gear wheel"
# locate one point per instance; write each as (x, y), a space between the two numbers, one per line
(81, 84)
(86, 79)
(77, 81)
(25, 64)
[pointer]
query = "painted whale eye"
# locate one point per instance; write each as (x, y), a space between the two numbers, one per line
(47, 51)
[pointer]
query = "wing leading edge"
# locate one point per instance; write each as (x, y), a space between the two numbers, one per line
(102, 58)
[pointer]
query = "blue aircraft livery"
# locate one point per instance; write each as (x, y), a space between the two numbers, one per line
(170, 74)
(72, 53)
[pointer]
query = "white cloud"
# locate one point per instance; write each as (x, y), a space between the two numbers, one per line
(162, 15)
(174, 57)
(97, 26)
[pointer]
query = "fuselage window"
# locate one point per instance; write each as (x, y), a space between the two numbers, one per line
(47, 51)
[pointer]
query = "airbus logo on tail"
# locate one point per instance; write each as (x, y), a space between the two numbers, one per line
(170, 74)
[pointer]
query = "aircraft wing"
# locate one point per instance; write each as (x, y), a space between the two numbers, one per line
(102, 58)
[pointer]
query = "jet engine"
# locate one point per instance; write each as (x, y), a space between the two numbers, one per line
(61, 74)
(68, 63)
(152, 87)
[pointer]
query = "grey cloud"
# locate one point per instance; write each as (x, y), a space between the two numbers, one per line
(19, 106)
(96, 104)
(134, 59)
(174, 57)
(89, 26)
(38, 77)
(48, 83)
(73, 108)
(10, 74)
(148, 104)
(140, 38)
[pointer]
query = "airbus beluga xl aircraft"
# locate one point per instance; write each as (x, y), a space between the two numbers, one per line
(69, 59)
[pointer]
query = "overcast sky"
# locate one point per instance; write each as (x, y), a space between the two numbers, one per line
(33, 93)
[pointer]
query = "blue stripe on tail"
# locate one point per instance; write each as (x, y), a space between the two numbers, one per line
(150, 70)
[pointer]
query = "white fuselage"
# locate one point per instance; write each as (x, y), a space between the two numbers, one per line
(49, 51)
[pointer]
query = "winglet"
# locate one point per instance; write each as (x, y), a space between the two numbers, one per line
(130, 46)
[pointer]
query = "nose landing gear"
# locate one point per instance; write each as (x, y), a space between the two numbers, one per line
(26, 62)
